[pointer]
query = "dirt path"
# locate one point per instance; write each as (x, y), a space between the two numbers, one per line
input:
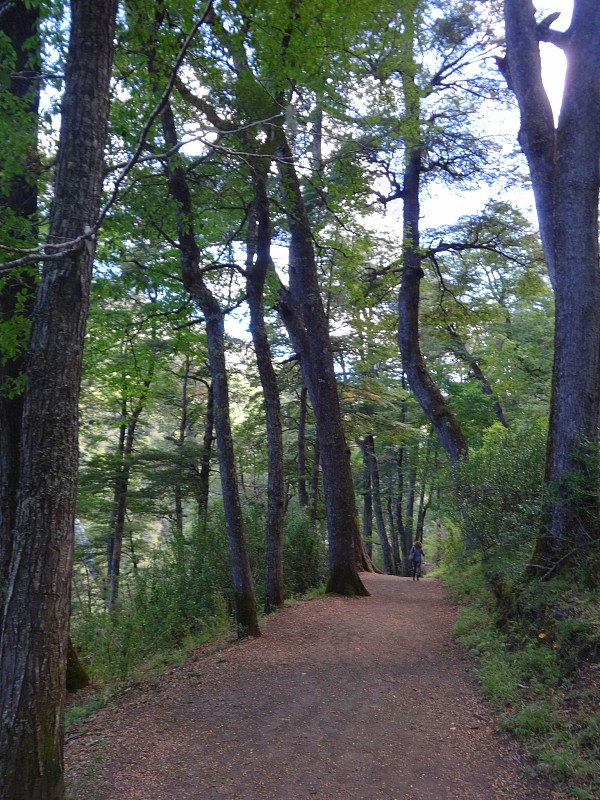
(357, 699)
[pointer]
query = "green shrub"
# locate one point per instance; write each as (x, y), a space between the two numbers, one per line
(305, 555)
(161, 606)
(474, 629)
(580, 794)
(500, 494)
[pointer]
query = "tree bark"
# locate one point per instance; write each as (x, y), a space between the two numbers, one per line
(367, 518)
(177, 488)
(18, 204)
(368, 443)
(243, 584)
(207, 443)
(315, 482)
(302, 493)
(409, 510)
(77, 677)
(400, 522)
(35, 623)
(302, 311)
(407, 476)
(258, 265)
(394, 533)
(430, 398)
(422, 507)
(565, 174)
(120, 497)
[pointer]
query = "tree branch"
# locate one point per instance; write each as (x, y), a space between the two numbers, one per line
(545, 34)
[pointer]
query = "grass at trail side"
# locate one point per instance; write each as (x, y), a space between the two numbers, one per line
(540, 671)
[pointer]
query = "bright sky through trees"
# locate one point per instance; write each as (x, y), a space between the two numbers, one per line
(444, 207)
(553, 59)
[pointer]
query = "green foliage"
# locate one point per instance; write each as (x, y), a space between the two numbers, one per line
(305, 555)
(77, 714)
(500, 498)
(589, 735)
(533, 673)
(164, 609)
(176, 598)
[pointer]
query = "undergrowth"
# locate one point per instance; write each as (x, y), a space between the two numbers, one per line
(539, 671)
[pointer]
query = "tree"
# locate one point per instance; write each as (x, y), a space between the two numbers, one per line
(130, 412)
(430, 398)
(255, 102)
(367, 446)
(564, 163)
(302, 310)
(301, 458)
(258, 266)
(419, 95)
(194, 282)
(480, 295)
(35, 622)
(19, 73)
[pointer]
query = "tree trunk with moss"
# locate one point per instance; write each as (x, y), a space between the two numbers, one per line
(35, 622)
(18, 216)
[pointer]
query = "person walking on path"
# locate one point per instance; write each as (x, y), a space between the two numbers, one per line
(416, 557)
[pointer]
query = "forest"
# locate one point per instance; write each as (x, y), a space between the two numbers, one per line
(284, 287)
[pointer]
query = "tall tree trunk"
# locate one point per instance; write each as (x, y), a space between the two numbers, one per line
(422, 507)
(258, 265)
(118, 513)
(205, 459)
(394, 533)
(409, 478)
(565, 174)
(177, 488)
(302, 493)
(243, 584)
(35, 622)
(302, 311)
(315, 482)
(401, 462)
(427, 393)
(409, 509)
(430, 398)
(368, 443)
(367, 518)
(120, 498)
(18, 211)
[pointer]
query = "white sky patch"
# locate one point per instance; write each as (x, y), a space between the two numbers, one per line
(554, 65)
(553, 59)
